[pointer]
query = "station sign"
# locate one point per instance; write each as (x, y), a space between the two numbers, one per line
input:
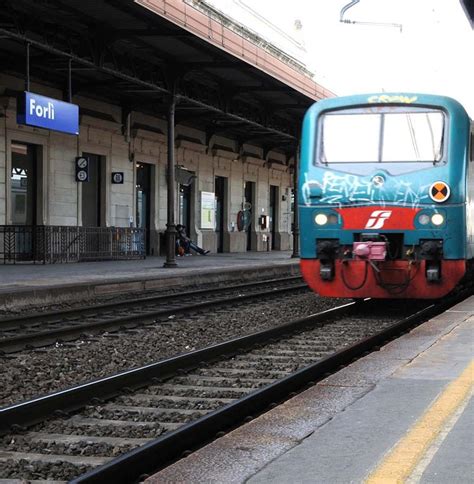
(48, 113)
(117, 177)
(82, 169)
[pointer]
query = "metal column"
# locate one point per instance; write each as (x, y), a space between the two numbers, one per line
(170, 224)
(296, 225)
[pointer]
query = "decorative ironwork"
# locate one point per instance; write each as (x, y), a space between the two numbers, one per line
(46, 244)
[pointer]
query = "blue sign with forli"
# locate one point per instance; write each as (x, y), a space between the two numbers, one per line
(48, 113)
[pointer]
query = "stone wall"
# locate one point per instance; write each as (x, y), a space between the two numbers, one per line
(102, 133)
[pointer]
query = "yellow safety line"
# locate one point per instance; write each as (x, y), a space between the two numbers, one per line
(400, 462)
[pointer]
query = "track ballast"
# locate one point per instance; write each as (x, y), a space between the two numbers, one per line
(183, 401)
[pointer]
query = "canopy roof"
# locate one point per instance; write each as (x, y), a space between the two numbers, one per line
(136, 56)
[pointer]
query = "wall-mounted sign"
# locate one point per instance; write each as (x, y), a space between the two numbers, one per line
(208, 210)
(82, 169)
(48, 113)
(117, 177)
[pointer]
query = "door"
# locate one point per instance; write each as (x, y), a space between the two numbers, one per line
(24, 198)
(92, 210)
(143, 202)
(248, 210)
(23, 184)
(273, 213)
(185, 207)
(220, 191)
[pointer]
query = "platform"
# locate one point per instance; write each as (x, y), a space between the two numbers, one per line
(402, 414)
(27, 284)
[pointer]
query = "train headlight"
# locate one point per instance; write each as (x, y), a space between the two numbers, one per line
(437, 219)
(321, 219)
(424, 219)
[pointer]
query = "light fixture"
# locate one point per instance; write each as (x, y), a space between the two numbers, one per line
(321, 219)
(424, 219)
(437, 219)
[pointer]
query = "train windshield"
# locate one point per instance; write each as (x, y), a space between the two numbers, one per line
(403, 139)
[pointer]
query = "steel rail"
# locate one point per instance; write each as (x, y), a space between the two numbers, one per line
(34, 411)
(40, 338)
(46, 315)
(161, 452)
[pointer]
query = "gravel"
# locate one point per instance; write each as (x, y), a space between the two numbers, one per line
(60, 471)
(30, 374)
(23, 444)
(149, 431)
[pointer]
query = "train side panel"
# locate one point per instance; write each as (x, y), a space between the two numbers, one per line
(470, 201)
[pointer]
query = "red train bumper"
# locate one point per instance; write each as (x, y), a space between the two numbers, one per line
(396, 279)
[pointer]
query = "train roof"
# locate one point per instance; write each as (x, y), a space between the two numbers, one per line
(391, 98)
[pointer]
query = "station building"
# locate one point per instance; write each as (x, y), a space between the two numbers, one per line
(183, 116)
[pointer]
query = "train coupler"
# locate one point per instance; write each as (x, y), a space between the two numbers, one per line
(369, 250)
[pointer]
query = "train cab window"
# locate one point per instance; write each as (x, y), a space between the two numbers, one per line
(352, 129)
(413, 137)
(394, 136)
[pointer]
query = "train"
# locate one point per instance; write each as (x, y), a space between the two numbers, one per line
(386, 196)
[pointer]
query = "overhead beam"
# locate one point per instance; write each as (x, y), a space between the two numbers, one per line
(212, 64)
(261, 89)
(150, 32)
(237, 118)
(277, 107)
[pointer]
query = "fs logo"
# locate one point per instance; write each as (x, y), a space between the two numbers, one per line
(377, 219)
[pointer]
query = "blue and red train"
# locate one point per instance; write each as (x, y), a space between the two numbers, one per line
(386, 196)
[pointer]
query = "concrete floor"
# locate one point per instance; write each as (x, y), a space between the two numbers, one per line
(28, 275)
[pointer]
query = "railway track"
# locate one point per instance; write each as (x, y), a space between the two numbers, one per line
(157, 412)
(44, 328)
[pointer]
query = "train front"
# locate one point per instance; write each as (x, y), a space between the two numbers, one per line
(382, 196)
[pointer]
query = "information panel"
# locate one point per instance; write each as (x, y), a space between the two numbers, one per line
(208, 210)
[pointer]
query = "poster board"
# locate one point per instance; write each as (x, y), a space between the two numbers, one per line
(208, 210)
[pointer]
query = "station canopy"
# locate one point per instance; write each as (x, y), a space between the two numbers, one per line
(468, 6)
(120, 52)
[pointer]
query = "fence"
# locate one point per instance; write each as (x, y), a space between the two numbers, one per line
(55, 244)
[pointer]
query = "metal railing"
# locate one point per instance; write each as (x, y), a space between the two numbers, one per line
(55, 244)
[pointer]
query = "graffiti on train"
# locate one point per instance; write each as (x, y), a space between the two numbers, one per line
(385, 98)
(347, 188)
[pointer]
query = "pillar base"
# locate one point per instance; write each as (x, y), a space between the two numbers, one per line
(170, 264)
